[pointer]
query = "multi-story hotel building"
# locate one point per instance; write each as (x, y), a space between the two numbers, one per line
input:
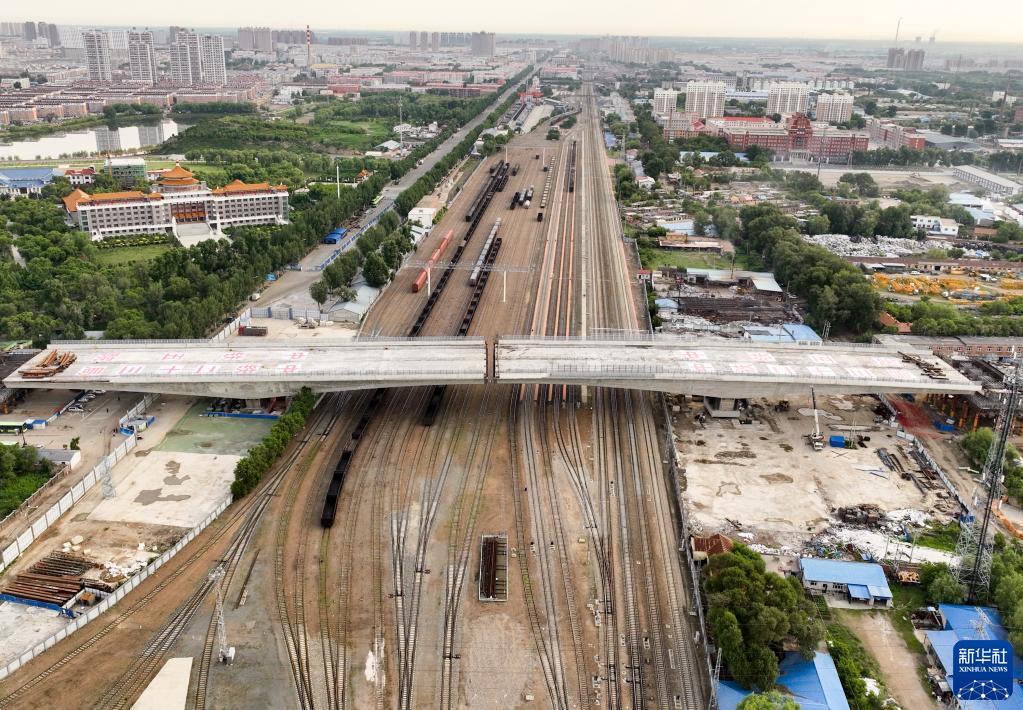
(178, 198)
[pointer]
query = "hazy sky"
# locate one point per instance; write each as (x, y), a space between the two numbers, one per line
(989, 20)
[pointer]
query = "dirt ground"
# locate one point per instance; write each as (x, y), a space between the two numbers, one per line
(766, 478)
(898, 665)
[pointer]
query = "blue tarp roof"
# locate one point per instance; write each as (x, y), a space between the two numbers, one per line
(813, 684)
(866, 574)
(964, 622)
(799, 331)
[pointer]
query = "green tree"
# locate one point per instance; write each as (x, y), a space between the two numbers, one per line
(375, 270)
(771, 700)
(944, 589)
(319, 292)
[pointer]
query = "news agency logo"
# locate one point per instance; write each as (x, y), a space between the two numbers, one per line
(982, 670)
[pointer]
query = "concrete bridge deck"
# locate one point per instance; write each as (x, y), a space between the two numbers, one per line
(722, 368)
(705, 366)
(251, 368)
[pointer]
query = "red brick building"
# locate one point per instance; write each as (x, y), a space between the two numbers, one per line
(797, 136)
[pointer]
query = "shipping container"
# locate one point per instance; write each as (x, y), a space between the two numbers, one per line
(257, 330)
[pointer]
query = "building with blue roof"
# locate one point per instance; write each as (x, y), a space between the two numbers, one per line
(814, 684)
(790, 333)
(966, 623)
(856, 582)
(24, 181)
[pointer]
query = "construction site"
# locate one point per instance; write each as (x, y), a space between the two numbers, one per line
(830, 476)
(469, 542)
(453, 546)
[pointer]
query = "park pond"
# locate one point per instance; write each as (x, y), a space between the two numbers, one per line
(89, 142)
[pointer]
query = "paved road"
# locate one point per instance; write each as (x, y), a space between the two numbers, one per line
(292, 288)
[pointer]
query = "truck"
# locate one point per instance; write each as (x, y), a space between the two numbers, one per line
(335, 236)
(256, 330)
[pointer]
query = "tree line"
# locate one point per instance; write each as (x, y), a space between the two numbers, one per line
(249, 471)
(835, 291)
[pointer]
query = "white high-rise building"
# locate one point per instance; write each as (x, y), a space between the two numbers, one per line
(787, 98)
(70, 37)
(834, 108)
(142, 57)
(97, 55)
(706, 99)
(214, 68)
(664, 101)
(186, 64)
(198, 59)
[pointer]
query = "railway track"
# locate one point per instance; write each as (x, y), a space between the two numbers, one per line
(247, 513)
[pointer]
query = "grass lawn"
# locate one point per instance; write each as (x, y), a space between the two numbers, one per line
(940, 537)
(907, 598)
(12, 494)
(117, 256)
(656, 258)
(356, 135)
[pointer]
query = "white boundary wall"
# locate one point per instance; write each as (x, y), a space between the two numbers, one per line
(78, 490)
(113, 598)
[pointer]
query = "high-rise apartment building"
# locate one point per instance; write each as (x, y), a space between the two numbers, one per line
(256, 39)
(186, 62)
(706, 99)
(214, 65)
(435, 41)
(665, 101)
(28, 31)
(142, 57)
(787, 98)
(97, 55)
(915, 60)
(896, 58)
(413, 39)
(198, 59)
(834, 108)
(483, 44)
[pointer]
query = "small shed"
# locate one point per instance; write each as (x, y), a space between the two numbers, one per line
(856, 582)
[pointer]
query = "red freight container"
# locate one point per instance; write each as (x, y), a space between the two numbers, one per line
(420, 281)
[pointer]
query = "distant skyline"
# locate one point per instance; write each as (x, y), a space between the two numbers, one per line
(992, 21)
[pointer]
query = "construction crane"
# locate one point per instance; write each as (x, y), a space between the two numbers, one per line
(816, 438)
(973, 549)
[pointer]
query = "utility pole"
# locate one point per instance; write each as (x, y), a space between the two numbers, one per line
(226, 653)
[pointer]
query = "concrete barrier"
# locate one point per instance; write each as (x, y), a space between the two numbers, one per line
(118, 594)
(78, 490)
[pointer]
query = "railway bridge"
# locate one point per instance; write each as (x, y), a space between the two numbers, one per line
(701, 366)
